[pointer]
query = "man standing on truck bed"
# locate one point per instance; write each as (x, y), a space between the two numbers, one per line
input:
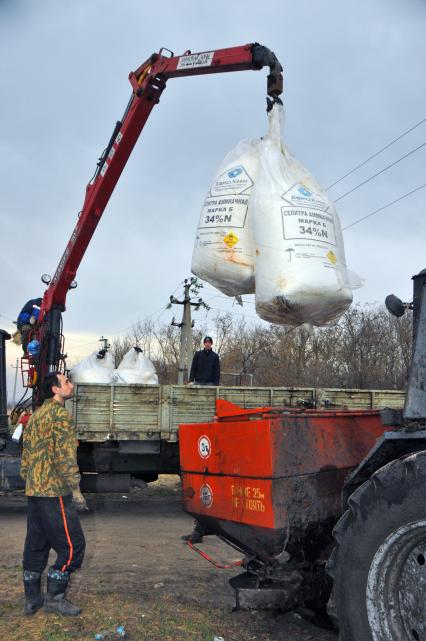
(205, 368)
(49, 467)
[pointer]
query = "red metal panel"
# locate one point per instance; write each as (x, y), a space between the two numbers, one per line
(287, 445)
(226, 409)
(235, 448)
(313, 441)
(231, 498)
(282, 474)
(298, 501)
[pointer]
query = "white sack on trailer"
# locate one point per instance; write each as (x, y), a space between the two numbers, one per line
(135, 368)
(96, 368)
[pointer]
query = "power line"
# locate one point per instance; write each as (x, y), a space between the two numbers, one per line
(377, 153)
(160, 311)
(216, 292)
(227, 298)
(376, 211)
(7, 318)
(165, 307)
(227, 311)
(380, 172)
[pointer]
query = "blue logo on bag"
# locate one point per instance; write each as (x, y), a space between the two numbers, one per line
(305, 192)
(235, 172)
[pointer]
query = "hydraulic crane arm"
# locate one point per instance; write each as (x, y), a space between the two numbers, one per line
(251, 56)
(148, 82)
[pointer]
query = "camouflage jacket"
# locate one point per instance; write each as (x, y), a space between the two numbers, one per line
(49, 455)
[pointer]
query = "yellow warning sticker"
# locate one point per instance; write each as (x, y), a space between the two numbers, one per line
(231, 239)
(332, 257)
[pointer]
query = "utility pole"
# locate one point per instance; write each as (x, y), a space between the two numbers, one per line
(190, 286)
(15, 367)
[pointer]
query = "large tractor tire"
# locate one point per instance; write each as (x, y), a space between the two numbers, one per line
(378, 565)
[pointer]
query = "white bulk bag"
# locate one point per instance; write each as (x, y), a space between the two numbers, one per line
(300, 269)
(96, 368)
(223, 251)
(135, 368)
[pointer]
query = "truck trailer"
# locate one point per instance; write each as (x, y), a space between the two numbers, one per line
(130, 433)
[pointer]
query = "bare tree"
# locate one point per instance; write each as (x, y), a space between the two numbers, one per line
(120, 345)
(366, 348)
(144, 336)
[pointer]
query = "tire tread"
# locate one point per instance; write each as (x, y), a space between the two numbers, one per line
(397, 470)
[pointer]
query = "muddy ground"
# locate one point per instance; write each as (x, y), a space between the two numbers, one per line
(139, 574)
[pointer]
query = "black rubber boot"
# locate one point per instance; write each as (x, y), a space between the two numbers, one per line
(196, 535)
(55, 601)
(33, 595)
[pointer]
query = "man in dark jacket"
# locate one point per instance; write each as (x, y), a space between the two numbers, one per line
(205, 368)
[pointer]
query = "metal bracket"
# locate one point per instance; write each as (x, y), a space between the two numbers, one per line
(264, 57)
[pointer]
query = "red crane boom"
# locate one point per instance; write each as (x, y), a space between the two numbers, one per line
(148, 82)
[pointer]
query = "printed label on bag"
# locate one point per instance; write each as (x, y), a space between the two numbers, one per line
(331, 257)
(231, 239)
(308, 225)
(300, 196)
(235, 180)
(228, 211)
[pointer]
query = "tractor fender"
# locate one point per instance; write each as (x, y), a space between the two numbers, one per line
(389, 447)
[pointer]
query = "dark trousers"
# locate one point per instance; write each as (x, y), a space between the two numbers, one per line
(25, 334)
(52, 522)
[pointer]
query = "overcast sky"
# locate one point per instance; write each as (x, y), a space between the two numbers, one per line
(354, 80)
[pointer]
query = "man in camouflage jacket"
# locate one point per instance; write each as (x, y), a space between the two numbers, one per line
(52, 485)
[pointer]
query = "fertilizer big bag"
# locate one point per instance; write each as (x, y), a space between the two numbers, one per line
(135, 368)
(300, 267)
(223, 252)
(96, 368)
